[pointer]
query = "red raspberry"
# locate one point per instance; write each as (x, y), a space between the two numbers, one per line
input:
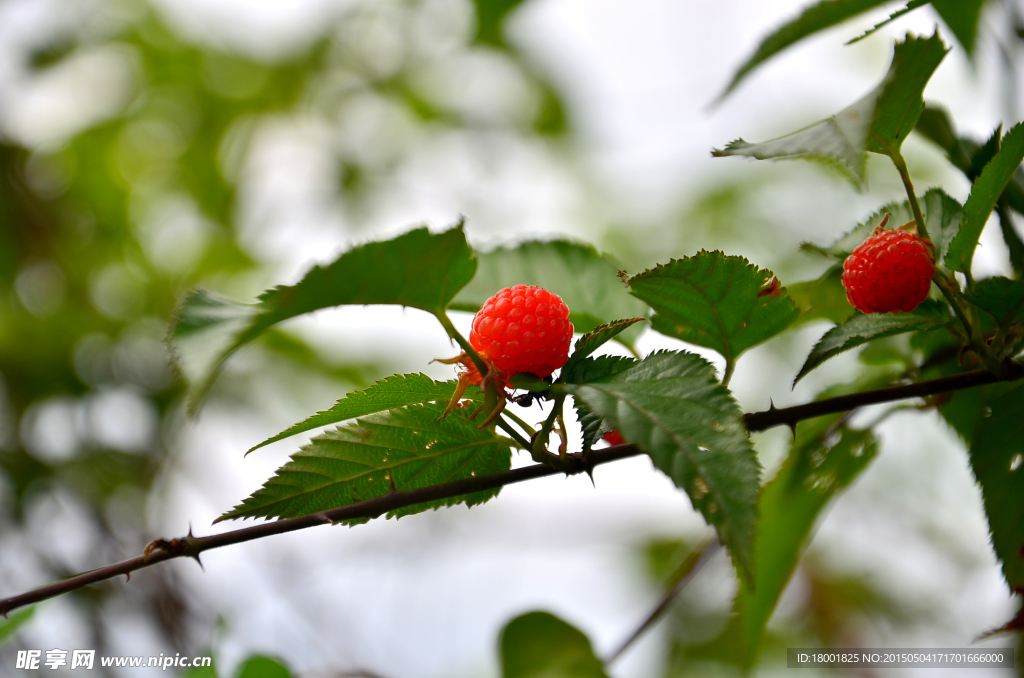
(890, 271)
(614, 437)
(523, 329)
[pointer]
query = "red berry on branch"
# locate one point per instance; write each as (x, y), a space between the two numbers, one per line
(614, 438)
(890, 271)
(522, 329)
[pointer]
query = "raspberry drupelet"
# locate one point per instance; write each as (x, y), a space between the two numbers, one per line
(890, 271)
(520, 329)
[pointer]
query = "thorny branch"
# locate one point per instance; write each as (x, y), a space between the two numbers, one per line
(191, 546)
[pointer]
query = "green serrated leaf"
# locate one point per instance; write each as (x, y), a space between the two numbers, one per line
(1000, 297)
(878, 122)
(942, 216)
(823, 298)
(586, 371)
(397, 390)
(593, 340)
(984, 194)
(356, 462)
(815, 18)
(420, 269)
(540, 645)
(900, 101)
(585, 279)
(814, 472)
(910, 7)
(997, 452)
(864, 327)
(672, 406)
(714, 300)
(840, 139)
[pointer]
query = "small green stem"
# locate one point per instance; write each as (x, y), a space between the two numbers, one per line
(949, 291)
(446, 323)
(539, 450)
(507, 427)
(901, 167)
(522, 424)
(730, 366)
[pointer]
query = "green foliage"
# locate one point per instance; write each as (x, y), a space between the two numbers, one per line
(263, 667)
(971, 158)
(822, 298)
(490, 14)
(595, 339)
(942, 217)
(395, 391)
(590, 370)
(1000, 297)
(407, 448)
(817, 17)
(672, 406)
(996, 452)
(821, 463)
(900, 102)
(985, 193)
(540, 645)
(714, 300)
(861, 328)
(910, 7)
(11, 625)
(583, 277)
(879, 122)
(419, 269)
(962, 18)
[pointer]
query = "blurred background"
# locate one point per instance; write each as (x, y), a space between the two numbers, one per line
(149, 147)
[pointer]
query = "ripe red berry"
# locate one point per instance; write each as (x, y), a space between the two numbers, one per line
(614, 437)
(890, 271)
(523, 329)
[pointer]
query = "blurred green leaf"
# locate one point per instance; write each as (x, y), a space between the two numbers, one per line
(397, 390)
(490, 14)
(910, 7)
(942, 215)
(861, 328)
(997, 453)
(1000, 297)
(879, 122)
(585, 279)
(985, 193)
(970, 158)
(410, 446)
(672, 406)
(263, 667)
(540, 645)
(822, 298)
(961, 16)
(10, 625)
(815, 18)
(714, 300)
(419, 269)
(817, 468)
(593, 340)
